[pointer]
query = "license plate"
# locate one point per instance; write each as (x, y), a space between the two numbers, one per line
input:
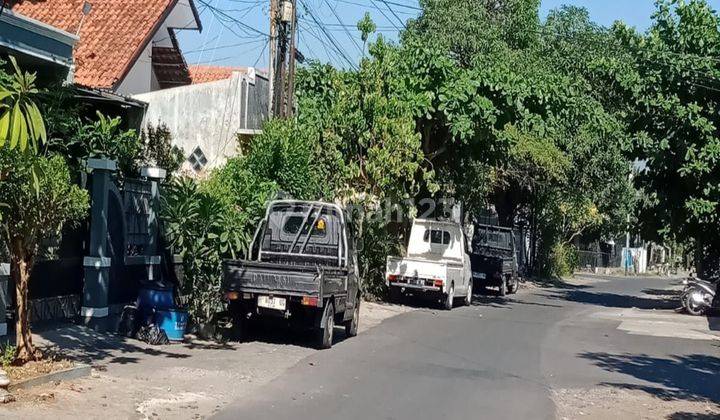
(479, 275)
(272, 303)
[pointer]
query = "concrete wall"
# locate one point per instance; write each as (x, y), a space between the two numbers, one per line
(210, 115)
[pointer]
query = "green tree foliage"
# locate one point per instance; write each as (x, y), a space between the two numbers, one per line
(671, 88)
(21, 124)
(31, 215)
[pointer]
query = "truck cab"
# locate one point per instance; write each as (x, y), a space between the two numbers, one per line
(436, 265)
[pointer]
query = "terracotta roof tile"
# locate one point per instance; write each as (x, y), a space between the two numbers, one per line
(169, 66)
(204, 74)
(111, 36)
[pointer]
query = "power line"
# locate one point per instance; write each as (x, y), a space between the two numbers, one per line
(385, 2)
(329, 36)
(384, 15)
(229, 18)
(223, 47)
(352, 38)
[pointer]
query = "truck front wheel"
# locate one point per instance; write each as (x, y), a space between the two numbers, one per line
(325, 334)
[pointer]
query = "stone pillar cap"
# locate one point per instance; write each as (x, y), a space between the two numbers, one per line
(153, 172)
(102, 164)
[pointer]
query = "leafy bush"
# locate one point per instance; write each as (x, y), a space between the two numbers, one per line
(202, 228)
(562, 261)
(7, 355)
(158, 149)
(102, 138)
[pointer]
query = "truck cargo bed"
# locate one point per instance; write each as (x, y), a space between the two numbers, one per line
(265, 277)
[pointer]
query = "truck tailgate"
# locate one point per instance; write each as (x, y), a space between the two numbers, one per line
(246, 276)
(416, 267)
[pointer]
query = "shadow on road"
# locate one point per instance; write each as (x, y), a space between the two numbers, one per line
(277, 332)
(494, 301)
(613, 300)
(691, 416)
(88, 346)
(691, 377)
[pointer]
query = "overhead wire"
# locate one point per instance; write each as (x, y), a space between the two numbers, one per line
(352, 38)
(328, 35)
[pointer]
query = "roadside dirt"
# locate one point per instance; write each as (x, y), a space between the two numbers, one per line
(607, 403)
(133, 380)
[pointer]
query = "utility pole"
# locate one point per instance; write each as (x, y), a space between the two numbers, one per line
(273, 52)
(291, 63)
(282, 74)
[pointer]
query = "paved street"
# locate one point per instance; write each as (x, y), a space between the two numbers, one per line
(597, 347)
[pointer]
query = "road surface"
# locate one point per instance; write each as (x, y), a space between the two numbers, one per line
(504, 358)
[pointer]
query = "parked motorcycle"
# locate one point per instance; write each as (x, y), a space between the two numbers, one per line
(698, 297)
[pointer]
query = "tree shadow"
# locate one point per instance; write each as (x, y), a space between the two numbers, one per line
(555, 283)
(692, 416)
(713, 323)
(88, 346)
(690, 377)
(613, 300)
(505, 302)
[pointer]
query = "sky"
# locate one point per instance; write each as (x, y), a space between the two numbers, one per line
(235, 31)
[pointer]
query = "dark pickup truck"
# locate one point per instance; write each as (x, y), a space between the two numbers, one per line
(494, 259)
(302, 268)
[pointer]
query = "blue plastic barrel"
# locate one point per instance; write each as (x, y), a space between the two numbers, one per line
(173, 322)
(155, 298)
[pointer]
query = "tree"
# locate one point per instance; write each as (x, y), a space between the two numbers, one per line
(21, 123)
(29, 216)
(672, 92)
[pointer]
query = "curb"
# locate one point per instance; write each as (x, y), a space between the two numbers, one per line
(79, 371)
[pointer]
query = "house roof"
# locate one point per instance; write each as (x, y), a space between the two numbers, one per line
(170, 68)
(204, 74)
(112, 36)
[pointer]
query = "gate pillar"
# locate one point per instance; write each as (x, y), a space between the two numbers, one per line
(95, 308)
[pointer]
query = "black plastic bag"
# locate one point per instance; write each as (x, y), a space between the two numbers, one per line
(153, 335)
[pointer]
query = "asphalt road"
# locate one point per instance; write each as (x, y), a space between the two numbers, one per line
(499, 358)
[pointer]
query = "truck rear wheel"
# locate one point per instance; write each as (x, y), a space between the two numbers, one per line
(449, 298)
(503, 287)
(514, 286)
(395, 295)
(351, 326)
(325, 334)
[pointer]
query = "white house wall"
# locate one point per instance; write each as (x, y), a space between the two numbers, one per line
(209, 115)
(139, 78)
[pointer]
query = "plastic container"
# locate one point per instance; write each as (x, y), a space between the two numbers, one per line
(173, 322)
(150, 299)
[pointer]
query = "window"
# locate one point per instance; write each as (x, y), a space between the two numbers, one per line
(440, 237)
(197, 159)
(294, 223)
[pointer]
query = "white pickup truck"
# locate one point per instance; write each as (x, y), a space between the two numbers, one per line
(437, 265)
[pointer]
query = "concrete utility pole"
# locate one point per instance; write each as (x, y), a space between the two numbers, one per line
(291, 62)
(282, 78)
(273, 53)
